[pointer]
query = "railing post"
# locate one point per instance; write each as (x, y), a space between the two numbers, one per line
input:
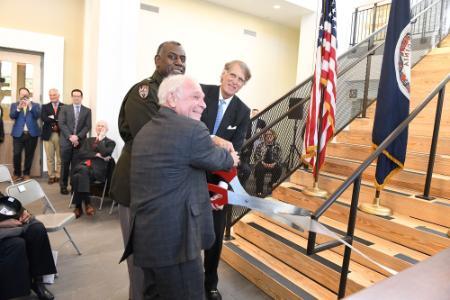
(350, 233)
(355, 26)
(311, 240)
(424, 29)
(441, 23)
(228, 217)
(437, 123)
(369, 65)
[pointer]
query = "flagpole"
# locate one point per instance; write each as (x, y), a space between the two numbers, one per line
(315, 190)
(375, 208)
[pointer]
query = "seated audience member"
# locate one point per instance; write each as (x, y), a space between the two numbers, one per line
(25, 252)
(92, 165)
(267, 160)
(245, 169)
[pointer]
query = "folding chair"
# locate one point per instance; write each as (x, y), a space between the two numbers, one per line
(5, 175)
(30, 191)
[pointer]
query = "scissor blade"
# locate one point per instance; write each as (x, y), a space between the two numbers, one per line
(265, 205)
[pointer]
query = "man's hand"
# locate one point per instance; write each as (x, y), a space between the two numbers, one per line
(74, 139)
(25, 217)
(214, 206)
(235, 157)
(9, 223)
(220, 142)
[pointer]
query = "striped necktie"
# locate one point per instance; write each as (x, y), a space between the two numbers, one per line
(219, 117)
(77, 115)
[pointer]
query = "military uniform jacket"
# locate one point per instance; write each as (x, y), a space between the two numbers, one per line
(138, 107)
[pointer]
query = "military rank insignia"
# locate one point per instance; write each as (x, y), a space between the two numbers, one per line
(143, 91)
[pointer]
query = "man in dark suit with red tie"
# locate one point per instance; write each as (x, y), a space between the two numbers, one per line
(227, 117)
(50, 135)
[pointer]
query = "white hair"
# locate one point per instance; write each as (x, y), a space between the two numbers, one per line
(54, 90)
(105, 124)
(173, 85)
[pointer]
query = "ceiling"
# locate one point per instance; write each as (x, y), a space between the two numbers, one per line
(288, 14)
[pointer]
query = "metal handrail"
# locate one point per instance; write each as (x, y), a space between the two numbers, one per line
(379, 149)
(355, 179)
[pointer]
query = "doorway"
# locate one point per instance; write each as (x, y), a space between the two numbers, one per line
(19, 69)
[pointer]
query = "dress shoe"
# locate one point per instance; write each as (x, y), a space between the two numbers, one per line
(17, 178)
(26, 177)
(56, 179)
(41, 291)
(51, 180)
(64, 191)
(78, 212)
(213, 295)
(90, 211)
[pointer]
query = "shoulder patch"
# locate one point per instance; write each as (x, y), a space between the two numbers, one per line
(143, 91)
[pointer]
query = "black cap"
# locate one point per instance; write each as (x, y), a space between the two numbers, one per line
(10, 207)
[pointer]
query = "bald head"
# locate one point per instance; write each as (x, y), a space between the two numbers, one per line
(183, 95)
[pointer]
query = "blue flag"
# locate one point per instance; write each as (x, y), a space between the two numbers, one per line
(393, 92)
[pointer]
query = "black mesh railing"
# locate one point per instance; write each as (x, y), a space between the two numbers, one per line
(357, 86)
(370, 19)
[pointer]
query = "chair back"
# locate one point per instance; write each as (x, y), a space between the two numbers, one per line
(29, 191)
(5, 175)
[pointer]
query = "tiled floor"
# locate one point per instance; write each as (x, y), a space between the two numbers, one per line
(97, 274)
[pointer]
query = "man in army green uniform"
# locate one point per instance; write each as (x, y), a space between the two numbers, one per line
(138, 107)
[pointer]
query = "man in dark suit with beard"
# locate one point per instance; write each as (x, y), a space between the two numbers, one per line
(171, 218)
(227, 117)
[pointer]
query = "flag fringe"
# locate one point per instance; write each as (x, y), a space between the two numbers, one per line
(400, 166)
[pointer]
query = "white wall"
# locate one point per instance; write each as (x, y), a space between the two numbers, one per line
(110, 58)
(212, 35)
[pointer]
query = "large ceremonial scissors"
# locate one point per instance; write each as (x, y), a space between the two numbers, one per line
(288, 214)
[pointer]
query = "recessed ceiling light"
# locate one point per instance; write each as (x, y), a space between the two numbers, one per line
(276, 6)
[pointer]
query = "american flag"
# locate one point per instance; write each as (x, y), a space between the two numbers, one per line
(323, 94)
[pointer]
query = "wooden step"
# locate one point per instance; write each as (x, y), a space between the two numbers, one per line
(422, 125)
(382, 251)
(421, 241)
(400, 203)
(274, 277)
(414, 161)
(405, 180)
(416, 143)
(290, 248)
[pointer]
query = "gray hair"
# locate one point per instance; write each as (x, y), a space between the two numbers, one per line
(173, 85)
(242, 65)
(53, 90)
(105, 124)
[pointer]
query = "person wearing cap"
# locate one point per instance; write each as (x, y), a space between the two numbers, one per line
(25, 252)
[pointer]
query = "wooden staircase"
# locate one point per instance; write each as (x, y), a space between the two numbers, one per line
(273, 256)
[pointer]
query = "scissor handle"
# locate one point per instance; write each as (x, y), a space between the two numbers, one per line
(221, 191)
(227, 175)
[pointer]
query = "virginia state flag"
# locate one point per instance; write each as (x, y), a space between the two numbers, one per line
(393, 92)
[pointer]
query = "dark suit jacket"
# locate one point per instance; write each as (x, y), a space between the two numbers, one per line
(66, 121)
(89, 150)
(170, 206)
(30, 118)
(2, 129)
(235, 120)
(48, 123)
